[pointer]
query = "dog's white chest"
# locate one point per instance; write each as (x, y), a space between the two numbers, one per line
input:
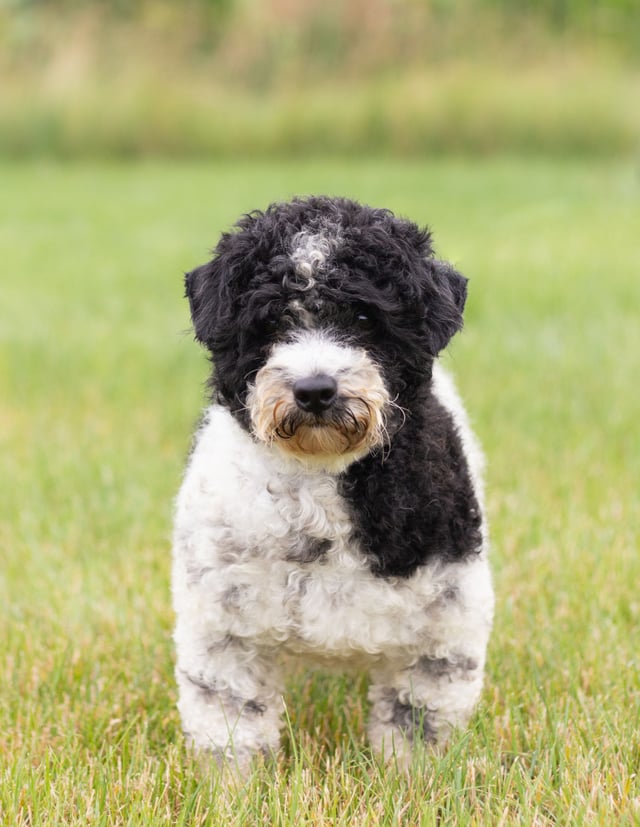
(268, 552)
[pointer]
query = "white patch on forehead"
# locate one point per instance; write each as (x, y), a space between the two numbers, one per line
(309, 255)
(303, 317)
(315, 352)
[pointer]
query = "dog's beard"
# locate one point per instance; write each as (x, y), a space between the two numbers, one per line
(342, 430)
(352, 427)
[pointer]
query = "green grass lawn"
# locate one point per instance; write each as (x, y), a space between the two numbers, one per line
(100, 386)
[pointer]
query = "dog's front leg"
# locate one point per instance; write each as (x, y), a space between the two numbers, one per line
(229, 701)
(420, 704)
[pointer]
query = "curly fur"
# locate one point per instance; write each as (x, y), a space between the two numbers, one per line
(351, 532)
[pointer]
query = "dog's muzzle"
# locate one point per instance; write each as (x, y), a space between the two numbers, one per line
(337, 414)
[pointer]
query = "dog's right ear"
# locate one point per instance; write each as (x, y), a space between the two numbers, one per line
(201, 288)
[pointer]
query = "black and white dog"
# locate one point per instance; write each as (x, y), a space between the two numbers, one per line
(332, 505)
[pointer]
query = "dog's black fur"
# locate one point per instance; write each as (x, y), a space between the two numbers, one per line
(384, 290)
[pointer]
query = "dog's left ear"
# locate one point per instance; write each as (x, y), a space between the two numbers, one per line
(445, 299)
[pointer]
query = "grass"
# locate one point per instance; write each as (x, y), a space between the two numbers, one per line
(100, 385)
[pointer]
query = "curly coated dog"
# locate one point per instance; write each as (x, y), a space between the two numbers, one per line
(331, 509)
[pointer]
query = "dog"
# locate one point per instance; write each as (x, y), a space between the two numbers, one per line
(332, 505)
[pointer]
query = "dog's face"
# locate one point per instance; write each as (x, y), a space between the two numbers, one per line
(322, 318)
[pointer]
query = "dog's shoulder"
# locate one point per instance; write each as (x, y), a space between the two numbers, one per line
(446, 393)
(220, 469)
(235, 482)
(422, 500)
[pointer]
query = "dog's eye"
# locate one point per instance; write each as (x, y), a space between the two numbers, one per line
(270, 324)
(364, 321)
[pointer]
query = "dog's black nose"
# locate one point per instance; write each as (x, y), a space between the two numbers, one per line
(315, 394)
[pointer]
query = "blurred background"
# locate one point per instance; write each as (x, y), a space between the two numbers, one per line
(222, 78)
(133, 133)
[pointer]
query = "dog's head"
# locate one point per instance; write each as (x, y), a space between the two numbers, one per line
(323, 317)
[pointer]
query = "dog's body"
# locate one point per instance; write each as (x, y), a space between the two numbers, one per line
(332, 506)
